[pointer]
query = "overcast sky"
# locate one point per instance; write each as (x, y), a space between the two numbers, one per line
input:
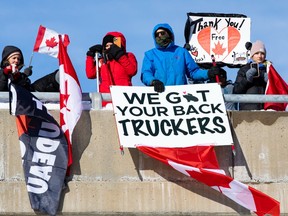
(87, 21)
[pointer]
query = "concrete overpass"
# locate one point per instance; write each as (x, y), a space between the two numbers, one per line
(105, 182)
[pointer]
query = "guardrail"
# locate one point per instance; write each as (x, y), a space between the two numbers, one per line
(96, 98)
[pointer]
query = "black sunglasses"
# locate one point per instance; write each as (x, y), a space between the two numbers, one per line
(161, 33)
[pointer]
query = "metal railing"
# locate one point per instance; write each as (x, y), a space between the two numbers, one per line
(255, 98)
(95, 98)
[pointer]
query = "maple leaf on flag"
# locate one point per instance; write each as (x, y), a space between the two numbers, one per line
(219, 50)
(47, 41)
(65, 97)
(70, 97)
(51, 43)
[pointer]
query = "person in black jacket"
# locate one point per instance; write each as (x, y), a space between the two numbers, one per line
(11, 64)
(252, 77)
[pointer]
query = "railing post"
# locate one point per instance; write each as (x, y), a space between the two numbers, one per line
(96, 100)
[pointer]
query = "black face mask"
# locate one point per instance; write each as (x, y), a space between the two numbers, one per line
(163, 41)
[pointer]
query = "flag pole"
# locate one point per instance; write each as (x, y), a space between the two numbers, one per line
(97, 70)
(30, 62)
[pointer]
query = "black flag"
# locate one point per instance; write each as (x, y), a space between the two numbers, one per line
(44, 150)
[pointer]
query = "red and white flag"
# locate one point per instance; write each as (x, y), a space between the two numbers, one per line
(47, 41)
(200, 163)
(70, 97)
(275, 85)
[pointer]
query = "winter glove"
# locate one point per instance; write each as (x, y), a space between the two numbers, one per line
(90, 53)
(250, 73)
(7, 70)
(213, 72)
(10, 69)
(93, 49)
(187, 46)
(28, 71)
(158, 86)
(115, 52)
(96, 48)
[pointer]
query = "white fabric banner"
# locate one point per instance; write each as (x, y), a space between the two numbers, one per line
(184, 115)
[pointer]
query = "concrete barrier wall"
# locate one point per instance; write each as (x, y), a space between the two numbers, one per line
(104, 182)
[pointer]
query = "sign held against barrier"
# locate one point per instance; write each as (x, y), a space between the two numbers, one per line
(181, 116)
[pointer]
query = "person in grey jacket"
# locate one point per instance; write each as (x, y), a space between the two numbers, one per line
(252, 78)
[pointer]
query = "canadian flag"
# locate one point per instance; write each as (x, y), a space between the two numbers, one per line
(47, 42)
(200, 163)
(70, 97)
(275, 85)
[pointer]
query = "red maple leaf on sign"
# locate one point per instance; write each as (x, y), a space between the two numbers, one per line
(218, 50)
(51, 43)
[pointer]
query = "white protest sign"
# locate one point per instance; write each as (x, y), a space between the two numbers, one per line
(222, 36)
(181, 116)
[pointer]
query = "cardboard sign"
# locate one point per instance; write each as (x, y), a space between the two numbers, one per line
(181, 116)
(220, 35)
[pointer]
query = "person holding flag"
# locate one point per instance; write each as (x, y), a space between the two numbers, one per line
(116, 66)
(252, 78)
(11, 64)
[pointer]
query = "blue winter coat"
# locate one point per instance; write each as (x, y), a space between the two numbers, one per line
(171, 65)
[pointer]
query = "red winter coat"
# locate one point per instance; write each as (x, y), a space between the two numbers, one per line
(113, 72)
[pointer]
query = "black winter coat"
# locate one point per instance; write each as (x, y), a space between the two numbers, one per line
(43, 84)
(243, 86)
(22, 80)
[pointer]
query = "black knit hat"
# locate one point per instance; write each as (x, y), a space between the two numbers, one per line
(7, 51)
(107, 39)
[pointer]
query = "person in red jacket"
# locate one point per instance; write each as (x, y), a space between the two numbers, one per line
(116, 65)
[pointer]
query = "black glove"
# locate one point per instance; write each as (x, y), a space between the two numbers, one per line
(115, 52)
(158, 86)
(212, 72)
(96, 48)
(90, 53)
(93, 49)
(187, 46)
(250, 74)
(28, 71)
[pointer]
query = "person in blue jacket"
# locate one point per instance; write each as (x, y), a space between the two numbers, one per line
(168, 64)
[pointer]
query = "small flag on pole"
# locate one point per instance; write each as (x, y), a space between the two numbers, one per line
(47, 42)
